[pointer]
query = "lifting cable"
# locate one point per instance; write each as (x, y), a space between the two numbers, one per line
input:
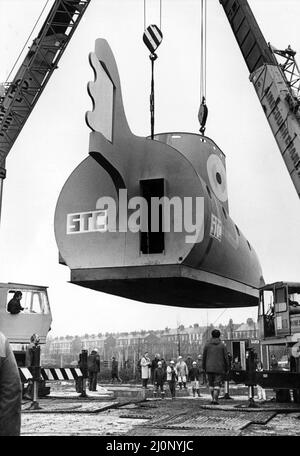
(222, 313)
(152, 38)
(33, 28)
(203, 111)
(160, 14)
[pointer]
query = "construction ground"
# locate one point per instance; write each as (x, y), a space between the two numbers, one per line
(129, 410)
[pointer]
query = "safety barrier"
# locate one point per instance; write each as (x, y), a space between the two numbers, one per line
(51, 374)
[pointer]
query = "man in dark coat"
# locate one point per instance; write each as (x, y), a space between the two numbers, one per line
(164, 364)
(93, 363)
(10, 391)
(14, 305)
(159, 379)
(115, 370)
(202, 379)
(189, 363)
(154, 366)
(215, 364)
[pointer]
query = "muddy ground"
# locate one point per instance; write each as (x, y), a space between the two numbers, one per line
(125, 411)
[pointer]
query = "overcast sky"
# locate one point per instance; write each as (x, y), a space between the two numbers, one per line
(262, 199)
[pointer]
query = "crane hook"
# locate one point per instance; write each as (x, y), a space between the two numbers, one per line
(202, 115)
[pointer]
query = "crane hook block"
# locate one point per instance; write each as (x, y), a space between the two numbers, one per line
(152, 38)
(202, 115)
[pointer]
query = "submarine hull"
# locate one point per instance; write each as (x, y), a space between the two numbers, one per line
(103, 224)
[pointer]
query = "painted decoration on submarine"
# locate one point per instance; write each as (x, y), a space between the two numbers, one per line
(148, 219)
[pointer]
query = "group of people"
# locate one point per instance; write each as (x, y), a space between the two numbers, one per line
(93, 368)
(212, 366)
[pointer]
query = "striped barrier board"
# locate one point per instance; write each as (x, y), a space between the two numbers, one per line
(51, 374)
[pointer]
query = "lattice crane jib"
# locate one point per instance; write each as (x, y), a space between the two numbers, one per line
(19, 96)
(277, 83)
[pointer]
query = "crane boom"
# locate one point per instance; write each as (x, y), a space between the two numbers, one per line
(277, 84)
(20, 95)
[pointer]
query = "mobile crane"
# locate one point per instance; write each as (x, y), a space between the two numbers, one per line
(277, 84)
(17, 100)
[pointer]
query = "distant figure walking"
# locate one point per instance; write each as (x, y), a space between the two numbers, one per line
(10, 391)
(14, 305)
(182, 372)
(171, 378)
(215, 364)
(93, 363)
(145, 369)
(115, 370)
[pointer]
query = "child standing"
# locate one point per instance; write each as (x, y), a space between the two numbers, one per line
(171, 378)
(261, 392)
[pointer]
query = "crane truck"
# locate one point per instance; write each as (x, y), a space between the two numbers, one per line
(17, 100)
(276, 79)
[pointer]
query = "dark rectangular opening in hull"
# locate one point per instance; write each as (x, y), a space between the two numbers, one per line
(152, 242)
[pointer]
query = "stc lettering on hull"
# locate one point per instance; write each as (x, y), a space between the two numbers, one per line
(87, 222)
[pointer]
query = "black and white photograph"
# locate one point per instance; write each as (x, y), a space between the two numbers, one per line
(149, 221)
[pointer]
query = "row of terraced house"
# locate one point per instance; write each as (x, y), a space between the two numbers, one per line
(129, 347)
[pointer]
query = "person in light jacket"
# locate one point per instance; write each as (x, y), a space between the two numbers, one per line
(261, 392)
(10, 391)
(171, 378)
(145, 369)
(182, 372)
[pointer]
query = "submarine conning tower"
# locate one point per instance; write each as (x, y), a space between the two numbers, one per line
(149, 219)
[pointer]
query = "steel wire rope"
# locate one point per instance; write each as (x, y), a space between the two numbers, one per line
(160, 14)
(203, 46)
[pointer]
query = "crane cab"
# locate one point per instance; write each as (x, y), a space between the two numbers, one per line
(34, 319)
(279, 324)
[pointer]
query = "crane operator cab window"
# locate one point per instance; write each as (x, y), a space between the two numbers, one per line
(266, 316)
(294, 309)
(294, 303)
(279, 310)
(27, 302)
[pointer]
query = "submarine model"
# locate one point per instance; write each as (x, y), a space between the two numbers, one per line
(148, 219)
